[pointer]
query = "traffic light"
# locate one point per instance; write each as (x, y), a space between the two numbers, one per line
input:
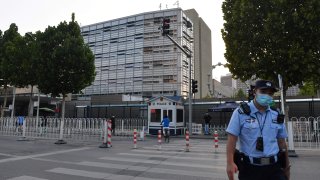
(165, 26)
(194, 86)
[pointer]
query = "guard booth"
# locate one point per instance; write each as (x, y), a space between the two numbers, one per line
(172, 106)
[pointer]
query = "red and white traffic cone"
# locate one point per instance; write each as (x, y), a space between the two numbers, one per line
(135, 138)
(187, 141)
(159, 139)
(216, 141)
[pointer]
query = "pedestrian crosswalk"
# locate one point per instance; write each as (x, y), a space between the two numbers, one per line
(145, 163)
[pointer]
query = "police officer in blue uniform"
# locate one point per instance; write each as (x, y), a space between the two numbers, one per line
(261, 138)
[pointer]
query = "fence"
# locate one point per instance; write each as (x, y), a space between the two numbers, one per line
(88, 129)
(306, 132)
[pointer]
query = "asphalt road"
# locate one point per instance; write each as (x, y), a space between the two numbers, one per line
(44, 160)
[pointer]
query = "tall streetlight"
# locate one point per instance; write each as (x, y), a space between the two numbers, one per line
(291, 150)
(37, 118)
(165, 32)
(209, 79)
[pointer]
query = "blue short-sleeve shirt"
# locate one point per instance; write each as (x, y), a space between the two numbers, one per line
(248, 129)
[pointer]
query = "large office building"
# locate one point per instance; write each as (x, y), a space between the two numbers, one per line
(132, 57)
(202, 53)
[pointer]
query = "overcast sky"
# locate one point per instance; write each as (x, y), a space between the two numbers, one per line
(33, 15)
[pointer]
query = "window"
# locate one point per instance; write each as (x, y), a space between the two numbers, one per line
(179, 115)
(155, 115)
(168, 113)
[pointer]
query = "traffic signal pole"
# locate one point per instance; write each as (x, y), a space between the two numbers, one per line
(190, 91)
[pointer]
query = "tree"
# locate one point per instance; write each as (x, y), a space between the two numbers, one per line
(11, 44)
(267, 38)
(66, 64)
(29, 66)
(240, 94)
(308, 89)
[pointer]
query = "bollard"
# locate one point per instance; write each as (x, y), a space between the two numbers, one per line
(187, 141)
(215, 135)
(109, 134)
(135, 138)
(142, 134)
(104, 143)
(159, 139)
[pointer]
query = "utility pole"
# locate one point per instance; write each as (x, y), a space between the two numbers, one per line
(165, 32)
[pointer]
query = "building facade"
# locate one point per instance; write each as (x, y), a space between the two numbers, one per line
(202, 54)
(237, 84)
(132, 57)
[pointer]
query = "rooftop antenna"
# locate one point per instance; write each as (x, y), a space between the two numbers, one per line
(166, 6)
(176, 3)
(160, 6)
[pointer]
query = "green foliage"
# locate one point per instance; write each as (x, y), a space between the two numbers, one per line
(267, 38)
(29, 73)
(1, 36)
(240, 94)
(308, 89)
(11, 54)
(66, 64)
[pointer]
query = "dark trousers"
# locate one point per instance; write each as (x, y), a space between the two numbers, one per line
(248, 171)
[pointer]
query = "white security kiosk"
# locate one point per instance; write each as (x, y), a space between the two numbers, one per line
(171, 106)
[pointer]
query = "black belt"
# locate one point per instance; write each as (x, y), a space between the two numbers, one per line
(261, 161)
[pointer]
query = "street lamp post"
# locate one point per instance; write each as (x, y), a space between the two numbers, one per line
(37, 117)
(213, 67)
(291, 151)
(188, 54)
(13, 101)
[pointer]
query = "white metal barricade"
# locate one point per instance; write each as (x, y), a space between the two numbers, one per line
(87, 129)
(306, 132)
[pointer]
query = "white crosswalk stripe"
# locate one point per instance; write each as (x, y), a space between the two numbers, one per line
(173, 157)
(152, 170)
(171, 163)
(26, 178)
(145, 163)
(96, 175)
(155, 151)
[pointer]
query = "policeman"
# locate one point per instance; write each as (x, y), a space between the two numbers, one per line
(261, 134)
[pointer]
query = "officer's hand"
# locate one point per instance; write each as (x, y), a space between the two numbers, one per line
(231, 169)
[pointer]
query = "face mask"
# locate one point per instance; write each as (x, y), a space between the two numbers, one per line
(263, 99)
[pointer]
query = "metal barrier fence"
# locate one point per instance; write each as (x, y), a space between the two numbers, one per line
(84, 129)
(306, 132)
(126, 126)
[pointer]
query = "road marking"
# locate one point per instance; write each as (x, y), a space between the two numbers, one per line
(153, 170)
(26, 178)
(210, 159)
(113, 166)
(96, 175)
(43, 154)
(219, 154)
(209, 166)
(10, 155)
(198, 150)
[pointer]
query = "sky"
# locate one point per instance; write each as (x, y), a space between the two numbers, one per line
(34, 15)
